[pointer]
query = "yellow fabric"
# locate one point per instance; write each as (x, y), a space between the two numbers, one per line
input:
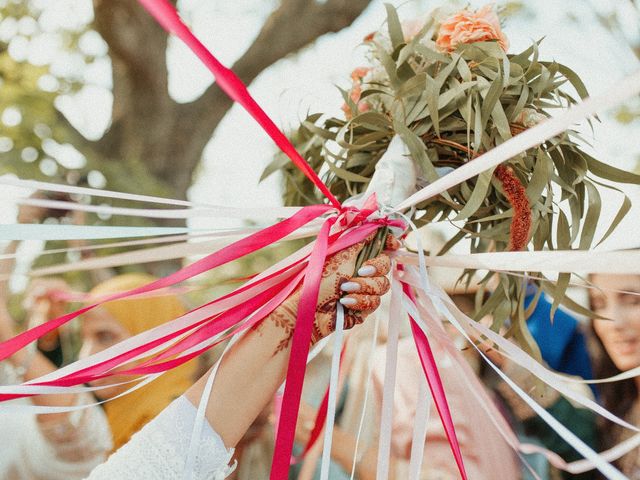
(129, 413)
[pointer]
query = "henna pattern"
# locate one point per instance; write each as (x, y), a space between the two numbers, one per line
(364, 302)
(381, 263)
(337, 270)
(391, 243)
(372, 286)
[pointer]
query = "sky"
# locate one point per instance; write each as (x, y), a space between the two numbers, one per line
(306, 82)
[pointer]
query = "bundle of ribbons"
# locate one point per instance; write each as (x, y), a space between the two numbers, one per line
(334, 226)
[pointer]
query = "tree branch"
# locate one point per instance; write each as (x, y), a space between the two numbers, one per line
(294, 25)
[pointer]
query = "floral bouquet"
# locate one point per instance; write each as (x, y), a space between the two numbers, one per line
(439, 92)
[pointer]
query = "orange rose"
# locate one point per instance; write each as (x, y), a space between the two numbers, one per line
(356, 90)
(470, 27)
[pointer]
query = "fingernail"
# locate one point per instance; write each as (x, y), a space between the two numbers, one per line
(367, 271)
(347, 301)
(350, 287)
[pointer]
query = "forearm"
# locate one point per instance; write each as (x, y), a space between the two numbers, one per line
(31, 364)
(248, 377)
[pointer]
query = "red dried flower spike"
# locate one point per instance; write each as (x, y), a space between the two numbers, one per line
(517, 197)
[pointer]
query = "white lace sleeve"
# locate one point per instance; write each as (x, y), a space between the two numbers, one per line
(63, 448)
(160, 450)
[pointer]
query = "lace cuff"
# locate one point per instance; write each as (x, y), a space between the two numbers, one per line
(161, 448)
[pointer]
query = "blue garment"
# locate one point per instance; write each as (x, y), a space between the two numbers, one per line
(562, 344)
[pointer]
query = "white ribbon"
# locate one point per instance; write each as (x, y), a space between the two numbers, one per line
(209, 211)
(165, 252)
(94, 192)
(621, 261)
(621, 91)
(130, 243)
(423, 410)
(28, 231)
(333, 393)
(367, 390)
(388, 392)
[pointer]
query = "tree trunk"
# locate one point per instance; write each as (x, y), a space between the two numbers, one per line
(158, 141)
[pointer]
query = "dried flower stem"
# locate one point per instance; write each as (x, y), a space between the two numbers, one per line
(514, 190)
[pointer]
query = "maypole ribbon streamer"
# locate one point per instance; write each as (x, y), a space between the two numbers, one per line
(168, 17)
(232, 252)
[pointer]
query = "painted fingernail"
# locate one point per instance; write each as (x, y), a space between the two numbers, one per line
(350, 287)
(347, 302)
(367, 271)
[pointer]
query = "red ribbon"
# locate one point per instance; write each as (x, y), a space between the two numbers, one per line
(298, 357)
(227, 254)
(435, 384)
(168, 17)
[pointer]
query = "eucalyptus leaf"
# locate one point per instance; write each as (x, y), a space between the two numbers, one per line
(394, 26)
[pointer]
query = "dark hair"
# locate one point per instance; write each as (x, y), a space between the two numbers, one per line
(617, 397)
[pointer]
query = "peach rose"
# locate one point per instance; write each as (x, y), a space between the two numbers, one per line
(470, 27)
(357, 76)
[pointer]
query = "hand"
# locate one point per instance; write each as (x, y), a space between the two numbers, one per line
(363, 291)
(306, 422)
(32, 214)
(41, 299)
(359, 295)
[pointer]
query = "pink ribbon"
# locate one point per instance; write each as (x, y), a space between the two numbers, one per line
(435, 384)
(168, 17)
(227, 254)
(298, 357)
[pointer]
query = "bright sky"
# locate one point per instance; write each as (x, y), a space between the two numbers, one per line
(306, 82)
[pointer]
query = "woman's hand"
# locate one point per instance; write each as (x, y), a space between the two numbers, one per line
(306, 422)
(359, 294)
(256, 365)
(41, 299)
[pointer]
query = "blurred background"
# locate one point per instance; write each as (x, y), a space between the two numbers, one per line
(96, 94)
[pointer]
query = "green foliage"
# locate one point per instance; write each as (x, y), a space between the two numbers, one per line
(449, 108)
(30, 91)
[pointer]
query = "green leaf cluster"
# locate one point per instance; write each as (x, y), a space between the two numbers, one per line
(448, 109)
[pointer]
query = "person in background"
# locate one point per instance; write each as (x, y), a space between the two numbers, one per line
(70, 445)
(616, 348)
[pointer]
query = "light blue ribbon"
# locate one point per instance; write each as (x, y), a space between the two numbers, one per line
(83, 232)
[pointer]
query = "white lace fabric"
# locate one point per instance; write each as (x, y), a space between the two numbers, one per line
(64, 449)
(160, 449)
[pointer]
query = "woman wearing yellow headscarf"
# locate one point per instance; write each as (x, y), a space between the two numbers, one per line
(115, 321)
(67, 446)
